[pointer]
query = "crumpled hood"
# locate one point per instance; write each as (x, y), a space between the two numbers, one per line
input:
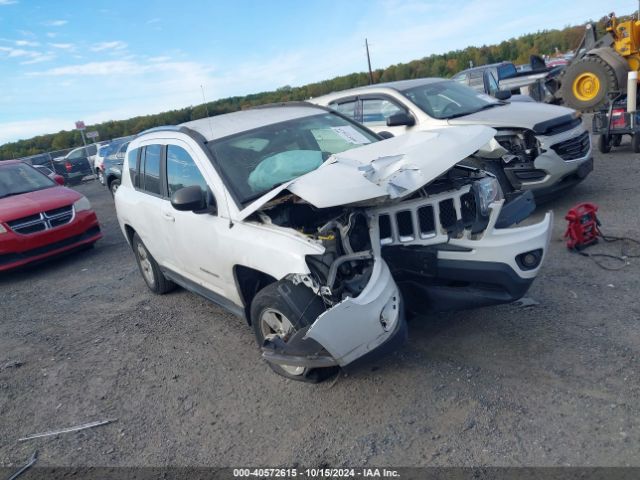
(514, 114)
(392, 168)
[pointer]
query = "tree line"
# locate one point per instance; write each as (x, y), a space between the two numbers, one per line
(517, 50)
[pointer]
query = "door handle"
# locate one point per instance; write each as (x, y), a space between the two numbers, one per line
(168, 216)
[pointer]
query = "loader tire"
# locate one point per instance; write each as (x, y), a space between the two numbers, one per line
(585, 84)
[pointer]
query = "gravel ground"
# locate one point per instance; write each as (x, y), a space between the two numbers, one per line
(554, 383)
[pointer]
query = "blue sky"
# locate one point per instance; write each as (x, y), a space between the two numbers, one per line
(62, 61)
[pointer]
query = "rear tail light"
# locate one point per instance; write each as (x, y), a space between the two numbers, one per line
(617, 118)
(68, 166)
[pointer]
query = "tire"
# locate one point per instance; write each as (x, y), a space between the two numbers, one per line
(578, 78)
(113, 186)
(151, 273)
(271, 314)
(635, 143)
(616, 140)
(604, 143)
(495, 168)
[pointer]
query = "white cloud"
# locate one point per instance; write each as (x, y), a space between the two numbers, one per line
(26, 43)
(62, 46)
(39, 59)
(55, 23)
(52, 34)
(153, 20)
(115, 45)
(8, 2)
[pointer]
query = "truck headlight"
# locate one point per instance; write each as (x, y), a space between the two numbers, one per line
(488, 190)
(82, 204)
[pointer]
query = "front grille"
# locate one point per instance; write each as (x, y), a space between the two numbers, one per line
(42, 221)
(573, 148)
(426, 219)
(468, 208)
(448, 215)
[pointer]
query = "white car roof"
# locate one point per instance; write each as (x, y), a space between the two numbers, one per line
(220, 126)
(399, 85)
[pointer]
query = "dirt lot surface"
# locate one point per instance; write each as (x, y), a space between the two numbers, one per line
(554, 383)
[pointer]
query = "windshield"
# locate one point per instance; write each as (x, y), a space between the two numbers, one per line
(447, 99)
(21, 178)
(256, 161)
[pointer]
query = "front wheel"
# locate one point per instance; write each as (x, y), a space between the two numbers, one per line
(604, 143)
(273, 316)
(149, 268)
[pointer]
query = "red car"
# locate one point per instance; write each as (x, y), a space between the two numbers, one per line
(40, 218)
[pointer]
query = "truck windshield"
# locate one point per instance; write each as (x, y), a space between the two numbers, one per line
(447, 99)
(20, 178)
(258, 160)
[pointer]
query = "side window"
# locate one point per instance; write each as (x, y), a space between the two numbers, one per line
(132, 160)
(182, 170)
(375, 111)
(151, 175)
(77, 154)
(492, 84)
(348, 109)
(476, 80)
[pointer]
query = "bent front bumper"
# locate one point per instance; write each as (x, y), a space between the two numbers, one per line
(371, 323)
(469, 273)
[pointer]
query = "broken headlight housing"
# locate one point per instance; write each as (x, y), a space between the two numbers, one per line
(487, 191)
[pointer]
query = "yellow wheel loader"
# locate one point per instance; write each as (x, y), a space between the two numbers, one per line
(601, 65)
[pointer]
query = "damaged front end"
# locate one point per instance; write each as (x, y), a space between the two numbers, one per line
(363, 310)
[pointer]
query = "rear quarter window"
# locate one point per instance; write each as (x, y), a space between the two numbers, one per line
(132, 161)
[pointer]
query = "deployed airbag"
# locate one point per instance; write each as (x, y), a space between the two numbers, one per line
(282, 167)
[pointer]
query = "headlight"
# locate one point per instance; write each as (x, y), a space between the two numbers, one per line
(2, 229)
(82, 204)
(488, 191)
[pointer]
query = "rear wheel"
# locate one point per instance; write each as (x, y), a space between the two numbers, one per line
(113, 187)
(273, 316)
(604, 143)
(586, 82)
(149, 268)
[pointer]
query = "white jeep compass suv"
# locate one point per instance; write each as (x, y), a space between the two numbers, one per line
(320, 234)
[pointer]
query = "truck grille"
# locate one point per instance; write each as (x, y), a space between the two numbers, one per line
(573, 148)
(427, 220)
(42, 221)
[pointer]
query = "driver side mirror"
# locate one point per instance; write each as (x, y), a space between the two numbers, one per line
(502, 94)
(400, 119)
(194, 199)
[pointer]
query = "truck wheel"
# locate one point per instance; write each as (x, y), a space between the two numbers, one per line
(604, 143)
(273, 315)
(635, 143)
(149, 268)
(586, 82)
